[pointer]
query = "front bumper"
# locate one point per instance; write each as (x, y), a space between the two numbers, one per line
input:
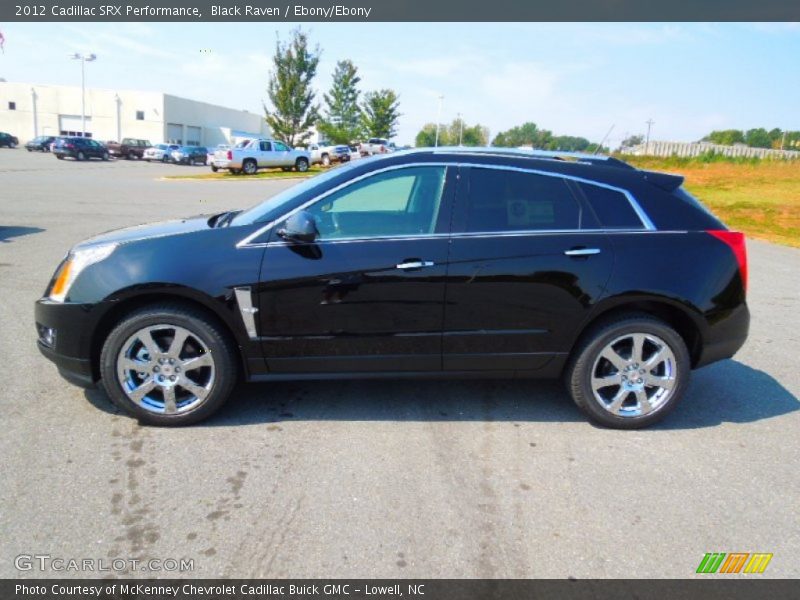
(72, 326)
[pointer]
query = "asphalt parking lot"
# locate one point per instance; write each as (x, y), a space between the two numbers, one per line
(374, 478)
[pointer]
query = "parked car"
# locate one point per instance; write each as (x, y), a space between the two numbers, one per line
(8, 140)
(189, 155)
(55, 141)
(40, 143)
(249, 156)
(375, 146)
(161, 152)
(130, 148)
(211, 152)
(325, 153)
(452, 263)
(79, 148)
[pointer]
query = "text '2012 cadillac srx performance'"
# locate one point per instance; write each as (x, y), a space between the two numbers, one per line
(435, 262)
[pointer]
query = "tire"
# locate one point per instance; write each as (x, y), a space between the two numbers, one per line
(326, 160)
(619, 403)
(214, 169)
(165, 158)
(12, 145)
(301, 164)
(250, 167)
(131, 156)
(59, 156)
(211, 384)
(80, 156)
(105, 156)
(29, 150)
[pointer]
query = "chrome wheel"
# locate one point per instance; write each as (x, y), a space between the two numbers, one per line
(165, 369)
(634, 375)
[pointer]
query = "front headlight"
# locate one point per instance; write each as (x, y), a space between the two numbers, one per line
(77, 261)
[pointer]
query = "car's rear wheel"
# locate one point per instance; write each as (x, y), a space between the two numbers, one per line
(60, 156)
(629, 372)
(131, 156)
(249, 167)
(214, 168)
(301, 164)
(105, 156)
(168, 365)
(326, 160)
(80, 156)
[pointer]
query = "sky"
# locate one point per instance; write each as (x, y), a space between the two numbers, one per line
(571, 78)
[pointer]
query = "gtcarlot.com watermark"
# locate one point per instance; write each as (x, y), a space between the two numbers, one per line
(60, 564)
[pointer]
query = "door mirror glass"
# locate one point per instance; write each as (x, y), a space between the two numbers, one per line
(300, 227)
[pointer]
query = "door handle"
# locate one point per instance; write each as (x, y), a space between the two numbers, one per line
(415, 264)
(582, 251)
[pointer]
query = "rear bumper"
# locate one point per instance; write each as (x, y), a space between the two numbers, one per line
(726, 336)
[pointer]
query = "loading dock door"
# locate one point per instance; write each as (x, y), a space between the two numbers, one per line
(174, 133)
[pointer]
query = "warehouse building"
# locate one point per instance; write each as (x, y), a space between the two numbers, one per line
(28, 110)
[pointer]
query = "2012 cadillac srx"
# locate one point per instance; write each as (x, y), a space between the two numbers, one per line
(436, 262)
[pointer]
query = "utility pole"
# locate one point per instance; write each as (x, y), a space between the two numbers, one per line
(460, 129)
(438, 118)
(783, 140)
(650, 123)
(84, 59)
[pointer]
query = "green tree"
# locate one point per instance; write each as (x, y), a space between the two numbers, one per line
(631, 141)
(758, 138)
(527, 134)
(725, 137)
(427, 136)
(568, 143)
(289, 89)
(379, 114)
(452, 134)
(341, 123)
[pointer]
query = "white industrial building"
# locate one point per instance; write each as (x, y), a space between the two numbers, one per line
(28, 110)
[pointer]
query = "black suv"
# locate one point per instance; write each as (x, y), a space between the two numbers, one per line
(40, 143)
(8, 140)
(449, 263)
(79, 148)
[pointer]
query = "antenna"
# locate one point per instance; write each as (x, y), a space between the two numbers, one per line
(596, 150)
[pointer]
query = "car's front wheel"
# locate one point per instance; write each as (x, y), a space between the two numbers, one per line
(168, 365)
(629, 372)
(249, 167)
(301, 165)
(80, 156)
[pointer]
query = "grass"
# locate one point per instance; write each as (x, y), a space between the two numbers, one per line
(262, 174)
(758, 197)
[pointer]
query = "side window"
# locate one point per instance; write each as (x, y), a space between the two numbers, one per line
(265, 146)
(401, 202)
(280, 147)
(611, 207)
(503, 200)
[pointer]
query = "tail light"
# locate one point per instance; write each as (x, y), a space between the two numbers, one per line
(230, 155)
(735, 241)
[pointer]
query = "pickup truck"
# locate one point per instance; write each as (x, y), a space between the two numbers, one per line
(325, 153)
(129, 148)
(249, 156)
(376, 146)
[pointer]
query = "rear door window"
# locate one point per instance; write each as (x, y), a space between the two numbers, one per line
(505, 200)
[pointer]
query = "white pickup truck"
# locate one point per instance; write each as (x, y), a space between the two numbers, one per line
(249, 156)
(326, 153)
(376, 146)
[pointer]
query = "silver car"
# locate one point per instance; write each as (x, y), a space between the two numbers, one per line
(251, 155)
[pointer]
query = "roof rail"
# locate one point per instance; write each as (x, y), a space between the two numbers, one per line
(581, 157)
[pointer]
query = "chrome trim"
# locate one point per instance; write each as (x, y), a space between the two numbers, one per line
(244, 298)
(582, 252)
(646, 222)
(415, 264)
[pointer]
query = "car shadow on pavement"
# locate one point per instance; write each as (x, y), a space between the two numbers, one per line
(725, 392)
(12, 231)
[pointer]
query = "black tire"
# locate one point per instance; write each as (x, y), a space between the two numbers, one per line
(105, 156)
(165, 158)
(326, 160)
(301, 164)
(214, 168)
(80, 156)
(59, 156)
(199, 324)
(249, 166)
(131, 156)
(578, 373)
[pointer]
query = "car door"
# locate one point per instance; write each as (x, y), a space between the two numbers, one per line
(264, 155)
(367, 295)
(281, 155)
(527, 263)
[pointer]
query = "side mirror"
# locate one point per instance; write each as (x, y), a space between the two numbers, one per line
(300, 227)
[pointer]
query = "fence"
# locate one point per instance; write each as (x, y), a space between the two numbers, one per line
(666, 149)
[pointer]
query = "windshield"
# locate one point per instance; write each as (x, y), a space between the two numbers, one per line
(267, 208)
